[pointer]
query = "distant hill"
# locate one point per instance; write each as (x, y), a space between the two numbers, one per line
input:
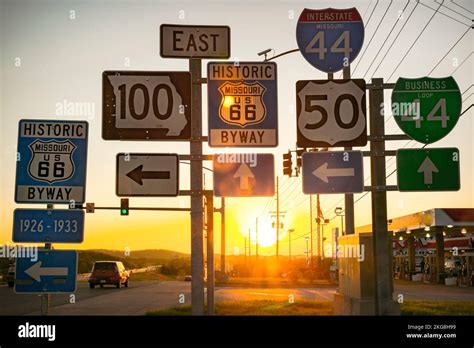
(160, 254)
(136, 259)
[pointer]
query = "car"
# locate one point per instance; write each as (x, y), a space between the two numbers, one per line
(11, 275)
(188, 278)
(109, 273)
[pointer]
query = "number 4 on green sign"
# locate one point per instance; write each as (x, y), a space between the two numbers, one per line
(440, 107)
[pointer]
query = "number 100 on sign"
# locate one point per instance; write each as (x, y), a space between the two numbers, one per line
(140, 105)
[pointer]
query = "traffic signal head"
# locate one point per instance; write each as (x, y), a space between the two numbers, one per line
(287, 164)
(124, 206)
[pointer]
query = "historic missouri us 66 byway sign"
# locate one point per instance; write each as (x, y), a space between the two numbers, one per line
(51, 167)
(242, 104)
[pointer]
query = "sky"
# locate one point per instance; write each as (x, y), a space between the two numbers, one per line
(54, 52)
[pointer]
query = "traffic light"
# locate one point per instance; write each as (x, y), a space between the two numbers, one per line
(299, 153)
(287, 164)
(124, 206)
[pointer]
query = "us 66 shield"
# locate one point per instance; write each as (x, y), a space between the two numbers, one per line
(331, 113)
(145, 105)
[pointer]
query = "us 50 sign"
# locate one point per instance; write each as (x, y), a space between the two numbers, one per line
(331, 113)
(140, 105)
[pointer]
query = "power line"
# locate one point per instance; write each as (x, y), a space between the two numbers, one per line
(452, 47)
(465, 59)
(396, 37)
(414, 42)
(444, 14)
(386, 39)
(373, 35)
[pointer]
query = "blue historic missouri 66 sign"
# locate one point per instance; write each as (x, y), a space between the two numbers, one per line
(51, 167)
(242, 104)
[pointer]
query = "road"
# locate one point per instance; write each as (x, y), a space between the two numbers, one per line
(143, 296)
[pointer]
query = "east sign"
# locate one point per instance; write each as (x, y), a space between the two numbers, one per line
(194, 41)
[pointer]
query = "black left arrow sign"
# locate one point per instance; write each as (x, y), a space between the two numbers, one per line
(138, 174)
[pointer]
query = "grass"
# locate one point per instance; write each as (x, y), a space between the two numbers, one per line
(437, 308)
(305, 307)
(260, 307)
(149, 276)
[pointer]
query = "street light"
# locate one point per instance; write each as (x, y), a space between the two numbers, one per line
(338, 211)
(291, 230)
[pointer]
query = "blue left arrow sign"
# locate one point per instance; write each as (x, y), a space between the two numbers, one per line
(51, 272)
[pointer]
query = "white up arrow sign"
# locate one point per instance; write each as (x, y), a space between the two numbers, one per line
(244, 173)
(323, 172)
(427, 168)
(36, 271)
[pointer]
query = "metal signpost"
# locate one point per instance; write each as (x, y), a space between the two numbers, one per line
(244, 175)
(52, 163)
(48, 226)
(428, 169)
(146, 105)
(331, 113)
(330, 39)
(242, 104)
(332, 172)
(147, 174)
(54, 271)
(426, 109)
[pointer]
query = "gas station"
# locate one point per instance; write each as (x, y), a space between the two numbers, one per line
(433, 246)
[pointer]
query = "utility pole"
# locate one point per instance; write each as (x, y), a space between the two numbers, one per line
(311, 226)
(223, 235)
(348, 197)
(256, 237)
(250, 250)
(277, 217)
(210, 253)
(197, 259)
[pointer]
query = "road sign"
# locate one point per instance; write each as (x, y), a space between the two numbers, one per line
(243, 175)
(426, 109)
(242, 104)
(48, 226)
(428, 169)
(194, 41)
(146, 105)
(51, 167)
(331, 113)
(147, 174)
(332, 172)
(330, 39)
(54, 271)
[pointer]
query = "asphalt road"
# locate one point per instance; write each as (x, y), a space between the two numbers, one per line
(143, 296)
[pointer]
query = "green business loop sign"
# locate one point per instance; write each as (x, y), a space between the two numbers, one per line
(426, 109)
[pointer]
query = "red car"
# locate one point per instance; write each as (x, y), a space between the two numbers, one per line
(108, 273)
